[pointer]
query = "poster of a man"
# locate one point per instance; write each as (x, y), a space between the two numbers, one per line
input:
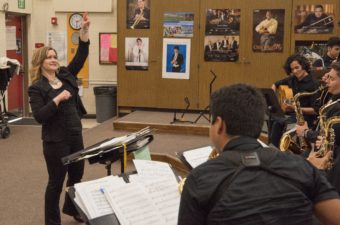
(138, 14)
(136, 53)
(314, 19)
(268, 30)
(176, 58)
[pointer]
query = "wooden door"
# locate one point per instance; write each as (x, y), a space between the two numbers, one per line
(263, 66)
(147, 88)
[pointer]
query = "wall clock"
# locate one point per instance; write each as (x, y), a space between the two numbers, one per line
(75, 21)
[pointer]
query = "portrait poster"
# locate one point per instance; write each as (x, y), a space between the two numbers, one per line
(222, 22)
(268, 30)
(107, 48)
(313, 52)
(314, 19)
(138, 14)
(136, 53)
(176, 58)
(178, 24)
(221, 48)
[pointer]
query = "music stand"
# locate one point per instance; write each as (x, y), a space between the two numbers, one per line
(207, 108)
(181, 119)
(273, 106)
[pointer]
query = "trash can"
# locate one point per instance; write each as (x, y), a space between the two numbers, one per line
(106, 102)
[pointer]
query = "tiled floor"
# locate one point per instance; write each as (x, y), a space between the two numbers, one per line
(89, 123)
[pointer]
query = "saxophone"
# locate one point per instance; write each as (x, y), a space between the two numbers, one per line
(328, 144)
(213, 154)
(289, 140)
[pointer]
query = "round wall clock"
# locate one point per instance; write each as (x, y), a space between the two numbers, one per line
(75, 21)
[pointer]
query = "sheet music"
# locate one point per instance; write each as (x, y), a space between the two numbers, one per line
(154, 169)
(132, 205)
(90, 197)
(165, 195)
(197, 156)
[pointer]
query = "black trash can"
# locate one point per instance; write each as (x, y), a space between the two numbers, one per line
(106, 102)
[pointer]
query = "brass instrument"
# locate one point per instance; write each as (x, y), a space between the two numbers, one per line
(318, 24)
(138, 18)
(213, 154)
(328, 144)
(289, 140)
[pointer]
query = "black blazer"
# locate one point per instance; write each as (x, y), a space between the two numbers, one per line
(44, 110)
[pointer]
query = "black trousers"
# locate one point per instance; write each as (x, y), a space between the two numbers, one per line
(53, 152)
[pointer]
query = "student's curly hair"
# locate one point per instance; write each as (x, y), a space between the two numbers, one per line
(241, 107)
(300, 59)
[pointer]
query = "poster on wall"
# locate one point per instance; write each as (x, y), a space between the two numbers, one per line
(313, 51)
(107, 48)
(178, 24)
(176, 58)
(314, 19)
(138, 14)
(136, 53)
(268, 30)
(57, 40)
(221, 48)
(222, 22)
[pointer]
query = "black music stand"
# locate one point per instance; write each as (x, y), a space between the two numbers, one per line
(181, 119)
(207, 108)
(273, 106)
(108, 154)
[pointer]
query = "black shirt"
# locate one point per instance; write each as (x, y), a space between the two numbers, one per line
(307, 84)
(254, 196)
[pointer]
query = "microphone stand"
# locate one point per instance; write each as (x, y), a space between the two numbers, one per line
(207, 108)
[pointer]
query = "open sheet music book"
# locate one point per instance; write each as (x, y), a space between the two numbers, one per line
(195, 157)
(150, 198)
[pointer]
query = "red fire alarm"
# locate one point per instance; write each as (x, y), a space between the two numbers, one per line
(54, 21)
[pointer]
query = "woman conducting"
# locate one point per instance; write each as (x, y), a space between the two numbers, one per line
(57, 106)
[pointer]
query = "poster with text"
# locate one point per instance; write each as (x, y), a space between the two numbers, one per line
(176, 58)
(268, 30)
(314, 19)
(136, 53)
(221, 48)
(138, 14)
(178, 24)
(222, 22)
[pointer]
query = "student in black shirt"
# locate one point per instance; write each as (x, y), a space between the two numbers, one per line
(332, 54)
(249, 184)
(299, 80)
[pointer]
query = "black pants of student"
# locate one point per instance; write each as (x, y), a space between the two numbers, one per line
(53, 152)
(278, 127)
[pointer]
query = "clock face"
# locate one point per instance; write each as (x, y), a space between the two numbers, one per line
(75, 21)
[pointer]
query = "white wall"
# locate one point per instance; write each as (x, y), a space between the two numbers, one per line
(39, 23)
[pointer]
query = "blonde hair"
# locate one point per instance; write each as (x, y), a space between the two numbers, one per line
(38, 58)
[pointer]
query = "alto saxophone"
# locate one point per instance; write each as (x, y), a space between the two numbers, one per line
(213, 154)
(289, 140)
(328, 144)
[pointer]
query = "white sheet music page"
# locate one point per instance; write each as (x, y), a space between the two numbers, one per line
(132, 205)
(154, 169)
(92, 197)
(196, 157)
(165, 195)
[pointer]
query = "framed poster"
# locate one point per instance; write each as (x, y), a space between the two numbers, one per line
(138, 14)
(176, 58)
(136, 53)
(222, 22)
(268, 27)
(221, 48)
(178, 24)
(314, 19)
(108, 48)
